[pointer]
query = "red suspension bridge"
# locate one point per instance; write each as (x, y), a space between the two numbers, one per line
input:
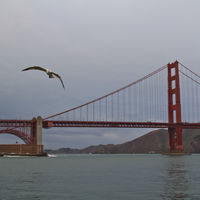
(166, 98)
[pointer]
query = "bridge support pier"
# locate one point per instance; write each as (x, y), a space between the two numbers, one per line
(32, 137)
(174, 109)
(37, 134)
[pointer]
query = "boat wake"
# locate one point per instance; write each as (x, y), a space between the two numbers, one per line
(51, 156)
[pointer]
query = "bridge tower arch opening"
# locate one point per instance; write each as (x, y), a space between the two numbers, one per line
(15, 135)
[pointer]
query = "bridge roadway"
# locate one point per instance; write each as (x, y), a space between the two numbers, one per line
(16, 123)
(98, 124)
(109, 124)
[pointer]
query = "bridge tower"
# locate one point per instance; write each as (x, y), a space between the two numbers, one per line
(174, 109)
(36, 134)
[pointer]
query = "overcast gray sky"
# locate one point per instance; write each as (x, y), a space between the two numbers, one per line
(97, 46)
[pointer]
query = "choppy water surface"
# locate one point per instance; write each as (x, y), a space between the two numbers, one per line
(100, 177)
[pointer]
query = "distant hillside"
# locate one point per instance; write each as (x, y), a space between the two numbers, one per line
(153, 142)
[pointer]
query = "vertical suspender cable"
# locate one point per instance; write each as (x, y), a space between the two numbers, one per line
(112, 106)
(129, 105)
(100, 110)
(87, 112)
(124, 104)
(106, 107)
(93, 111)
(118, 106)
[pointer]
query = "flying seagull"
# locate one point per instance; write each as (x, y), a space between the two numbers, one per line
(48, 72)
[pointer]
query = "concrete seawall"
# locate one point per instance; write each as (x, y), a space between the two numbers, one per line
(22, 150)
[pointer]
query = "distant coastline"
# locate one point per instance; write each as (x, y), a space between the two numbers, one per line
(154, 142)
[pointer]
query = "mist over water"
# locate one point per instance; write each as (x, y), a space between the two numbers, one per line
(113, 177)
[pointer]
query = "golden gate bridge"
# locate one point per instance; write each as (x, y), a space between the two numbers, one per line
(166, 98)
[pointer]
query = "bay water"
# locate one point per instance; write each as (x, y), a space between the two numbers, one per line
(100, 177)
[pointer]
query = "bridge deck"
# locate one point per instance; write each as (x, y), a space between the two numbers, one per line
(98, 124)
(109, 124)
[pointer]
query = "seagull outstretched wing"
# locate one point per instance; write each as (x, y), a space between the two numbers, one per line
(35, 68)
(58, 76)
(49, 73)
